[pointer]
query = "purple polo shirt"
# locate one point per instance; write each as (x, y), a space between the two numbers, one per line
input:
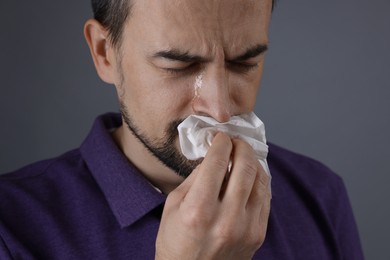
(92, 203)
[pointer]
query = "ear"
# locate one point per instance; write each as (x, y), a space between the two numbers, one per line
(102, 54)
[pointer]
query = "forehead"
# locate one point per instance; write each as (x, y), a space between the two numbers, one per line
(201, 24)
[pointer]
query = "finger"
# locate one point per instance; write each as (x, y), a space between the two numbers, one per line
(264, 211)
(260, 192)
(212, 171)
(259, 217)
(259, 205)
(259, 202)
(183, 188)
(242, 174)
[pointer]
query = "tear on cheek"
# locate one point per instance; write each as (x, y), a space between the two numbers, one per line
(198, 85)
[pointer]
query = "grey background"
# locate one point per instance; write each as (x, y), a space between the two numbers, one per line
(325, 92)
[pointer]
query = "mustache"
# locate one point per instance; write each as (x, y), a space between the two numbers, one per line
(171, 130)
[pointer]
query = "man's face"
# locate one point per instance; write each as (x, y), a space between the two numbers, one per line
(179, 58)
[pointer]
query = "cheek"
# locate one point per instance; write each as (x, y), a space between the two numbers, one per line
(169, 102)
(168, 96)
(155, 101)
(244, 97)
(149, 85)
(244, 91)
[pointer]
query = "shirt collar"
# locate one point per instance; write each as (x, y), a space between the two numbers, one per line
(128, 193)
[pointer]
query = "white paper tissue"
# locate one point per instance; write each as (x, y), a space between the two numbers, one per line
(196, 134)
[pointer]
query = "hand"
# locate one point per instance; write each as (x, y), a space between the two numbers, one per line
(211, 217)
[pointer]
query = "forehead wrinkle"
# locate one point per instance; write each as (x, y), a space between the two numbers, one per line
(193, 16)
(232, 20)
(212, 25)
(167, 16)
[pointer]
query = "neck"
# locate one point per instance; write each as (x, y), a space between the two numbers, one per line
(149, 166)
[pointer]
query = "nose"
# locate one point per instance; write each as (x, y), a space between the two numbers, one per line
(212, 97)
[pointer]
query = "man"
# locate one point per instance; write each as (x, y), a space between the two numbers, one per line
(129, 193)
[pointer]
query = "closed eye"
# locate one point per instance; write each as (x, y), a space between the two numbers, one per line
(241, 67)
(187, 70)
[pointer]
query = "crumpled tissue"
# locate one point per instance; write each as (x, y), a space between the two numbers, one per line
(197, 132)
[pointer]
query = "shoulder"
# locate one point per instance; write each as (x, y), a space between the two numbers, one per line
(39, 201)
(42, 179)
(305, 179)
(36, 169)
(45, 168)
(285, 157)
(44, 189)
(300, 167)
(310, 209)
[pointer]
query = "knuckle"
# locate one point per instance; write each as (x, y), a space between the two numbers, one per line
(264, 179)
(256, 242)
(243, 146)
(258, 239)
(249, 169)
(221, 164)
(196, 218)
(261, 194)
(226, 234)
(255, 238)
(174, 196)
(248, 239)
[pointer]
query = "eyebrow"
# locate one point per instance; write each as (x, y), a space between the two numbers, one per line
(177, 55)
(251, 53)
